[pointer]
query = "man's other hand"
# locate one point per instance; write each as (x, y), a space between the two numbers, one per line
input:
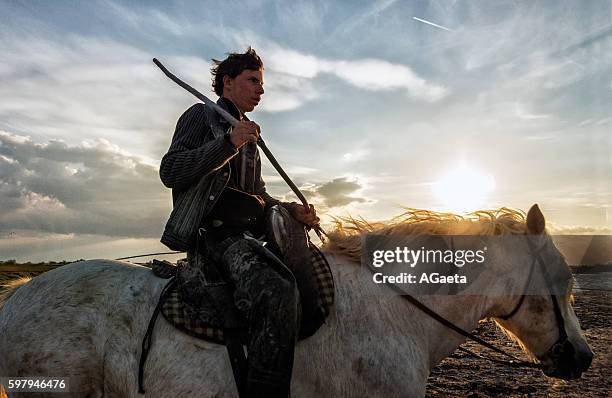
(246, 131)
(305, 216)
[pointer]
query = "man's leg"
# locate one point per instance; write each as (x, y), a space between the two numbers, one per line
(267, 295)
(199, 279)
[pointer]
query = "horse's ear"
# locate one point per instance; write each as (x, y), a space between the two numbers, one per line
(535, 220)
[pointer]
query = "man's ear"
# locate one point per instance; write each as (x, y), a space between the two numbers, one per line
(535, 220)
(227, 82)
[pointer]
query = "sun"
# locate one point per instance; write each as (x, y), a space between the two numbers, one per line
(463, 189)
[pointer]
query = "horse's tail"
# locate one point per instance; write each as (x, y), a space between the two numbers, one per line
(8, 288)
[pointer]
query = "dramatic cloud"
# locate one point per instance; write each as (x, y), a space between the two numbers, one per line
(327, 197)
(369, 74)
(92, 188)
(291, 75)
(338, 192)
(92, 88)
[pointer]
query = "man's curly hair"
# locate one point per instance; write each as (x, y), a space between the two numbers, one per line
(232, 66)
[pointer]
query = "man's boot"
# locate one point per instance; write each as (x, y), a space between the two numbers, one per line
(289, 237)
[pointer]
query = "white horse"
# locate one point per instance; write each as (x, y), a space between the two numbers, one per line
(85, 322)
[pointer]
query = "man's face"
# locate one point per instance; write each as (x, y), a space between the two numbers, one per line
(245, 90)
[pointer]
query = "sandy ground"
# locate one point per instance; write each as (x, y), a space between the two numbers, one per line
(464, 376)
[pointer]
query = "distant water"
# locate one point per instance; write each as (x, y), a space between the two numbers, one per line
(600, 280)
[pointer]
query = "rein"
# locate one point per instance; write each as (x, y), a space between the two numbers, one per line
(147, 255)
(515, 362)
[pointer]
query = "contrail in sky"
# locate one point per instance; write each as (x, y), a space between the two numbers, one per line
(431, 23)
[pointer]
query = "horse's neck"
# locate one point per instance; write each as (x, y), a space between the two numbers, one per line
(463, 311)
(388, 316)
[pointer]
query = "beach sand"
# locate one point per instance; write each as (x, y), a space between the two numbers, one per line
(464, 376)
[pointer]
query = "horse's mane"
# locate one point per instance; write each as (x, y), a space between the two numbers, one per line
(346, 237)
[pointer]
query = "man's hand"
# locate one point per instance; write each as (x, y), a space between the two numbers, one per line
(246, 131)
(306, 217)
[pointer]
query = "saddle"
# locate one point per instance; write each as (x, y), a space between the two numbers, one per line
(209, 323)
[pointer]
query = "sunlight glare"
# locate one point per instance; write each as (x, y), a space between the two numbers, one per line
(463, 189)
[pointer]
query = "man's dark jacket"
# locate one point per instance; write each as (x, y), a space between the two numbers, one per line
(197, 168)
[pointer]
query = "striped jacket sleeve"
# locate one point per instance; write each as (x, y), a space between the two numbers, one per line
(189, 159)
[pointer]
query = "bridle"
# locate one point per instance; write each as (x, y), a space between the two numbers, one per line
(562, 342)
(557, 349)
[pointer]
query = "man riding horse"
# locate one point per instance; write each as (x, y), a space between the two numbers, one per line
(219, 218)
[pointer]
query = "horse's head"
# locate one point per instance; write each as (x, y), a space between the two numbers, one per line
(545, 324)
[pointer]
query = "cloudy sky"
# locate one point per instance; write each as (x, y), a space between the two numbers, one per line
(370, 106)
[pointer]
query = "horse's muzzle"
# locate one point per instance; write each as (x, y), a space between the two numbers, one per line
(564, 361)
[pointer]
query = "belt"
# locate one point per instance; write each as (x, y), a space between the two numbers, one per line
(221, 229)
